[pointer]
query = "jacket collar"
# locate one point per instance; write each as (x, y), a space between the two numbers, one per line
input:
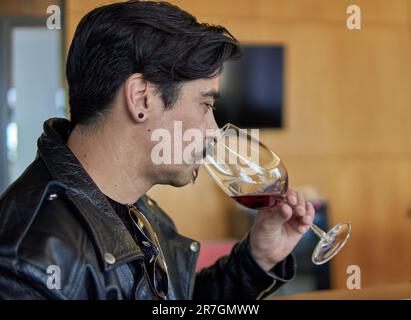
(114, 243)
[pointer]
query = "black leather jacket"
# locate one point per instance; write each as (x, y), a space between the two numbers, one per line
(54, 215)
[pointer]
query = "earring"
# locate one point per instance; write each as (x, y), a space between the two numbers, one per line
(141, 115)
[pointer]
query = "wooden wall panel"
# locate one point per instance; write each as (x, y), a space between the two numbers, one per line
(37, 8)
(374, 195)
(381, 11)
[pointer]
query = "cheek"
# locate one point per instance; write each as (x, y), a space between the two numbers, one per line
(194, 120)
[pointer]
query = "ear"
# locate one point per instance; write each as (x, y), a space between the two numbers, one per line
(135, 89)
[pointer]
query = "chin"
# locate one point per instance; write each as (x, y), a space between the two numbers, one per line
(180, 182)
(178, 176)
(185, 178)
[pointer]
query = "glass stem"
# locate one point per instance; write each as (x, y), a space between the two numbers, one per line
(319, 232)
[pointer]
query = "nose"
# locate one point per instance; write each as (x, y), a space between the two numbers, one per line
(213, 132)
(213, 122)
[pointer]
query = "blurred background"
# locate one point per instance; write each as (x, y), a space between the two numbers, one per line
(334, 103)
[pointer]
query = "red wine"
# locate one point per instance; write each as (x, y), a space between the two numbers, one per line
(260, 201)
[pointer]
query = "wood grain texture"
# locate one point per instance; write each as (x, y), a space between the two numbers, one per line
(19, 8)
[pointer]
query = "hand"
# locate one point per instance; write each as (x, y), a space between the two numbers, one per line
(276, 231)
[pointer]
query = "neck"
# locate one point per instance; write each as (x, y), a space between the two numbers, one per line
(111, 164)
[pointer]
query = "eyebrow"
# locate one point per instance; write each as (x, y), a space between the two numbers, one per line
(211, 94)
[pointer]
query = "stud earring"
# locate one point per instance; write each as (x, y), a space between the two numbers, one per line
(141, 115)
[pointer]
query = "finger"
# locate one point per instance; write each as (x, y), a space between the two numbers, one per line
(306, 220)
(303, 229)
(277, 217)
(285, 213)
(292, 197)
(309, 216)
(310, 210)
(300, 208)
(301, 200)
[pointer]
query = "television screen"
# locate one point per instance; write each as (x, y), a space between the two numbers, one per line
(252, 89)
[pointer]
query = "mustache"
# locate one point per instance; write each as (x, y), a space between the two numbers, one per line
(199, 156)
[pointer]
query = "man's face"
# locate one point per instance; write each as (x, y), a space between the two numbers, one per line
(191, 125)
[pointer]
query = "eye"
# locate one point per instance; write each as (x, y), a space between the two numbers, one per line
(210, 106)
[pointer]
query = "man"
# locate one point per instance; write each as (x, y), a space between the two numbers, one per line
(78, 225)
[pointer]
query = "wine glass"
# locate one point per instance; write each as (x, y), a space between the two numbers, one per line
(254, 176)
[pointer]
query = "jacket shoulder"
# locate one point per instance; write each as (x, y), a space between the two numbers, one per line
(21, 201)
(39, 231)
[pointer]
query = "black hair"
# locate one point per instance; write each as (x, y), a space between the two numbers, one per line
(159, 40)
